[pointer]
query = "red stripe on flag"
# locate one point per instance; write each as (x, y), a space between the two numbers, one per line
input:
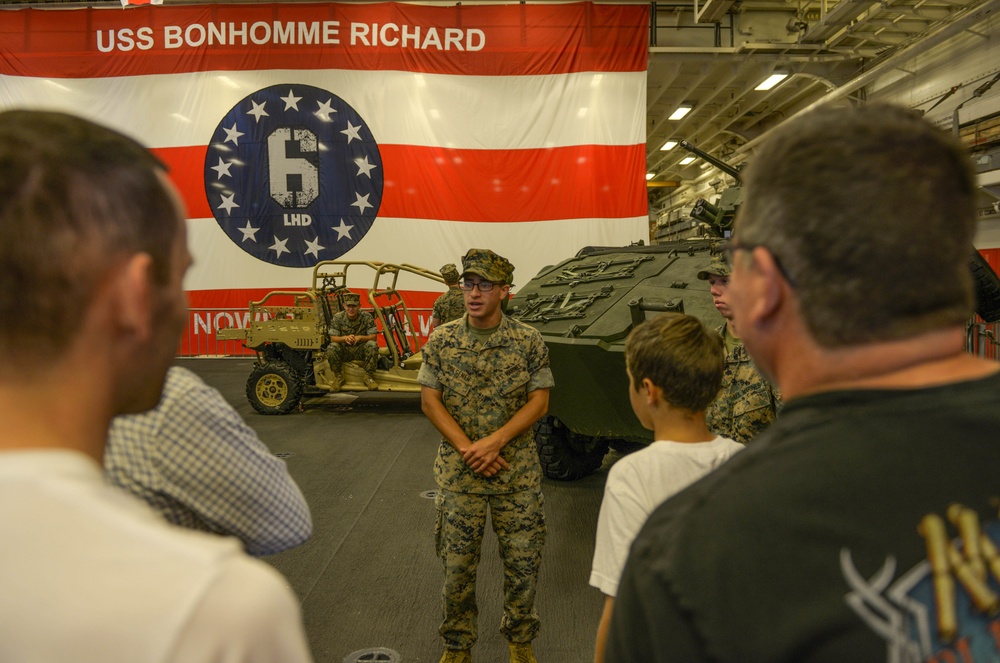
(584, 181)
(534, 39)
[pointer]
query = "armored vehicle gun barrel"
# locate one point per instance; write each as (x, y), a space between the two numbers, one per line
(719, 215)
(721, 165)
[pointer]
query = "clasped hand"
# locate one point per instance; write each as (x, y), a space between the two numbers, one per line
(484, 456)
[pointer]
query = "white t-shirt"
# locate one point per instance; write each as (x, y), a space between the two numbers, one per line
(637, 484)
(92, 575)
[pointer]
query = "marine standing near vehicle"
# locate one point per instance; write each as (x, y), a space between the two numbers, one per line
(485, 381)
(747, 403)
(451, 305)
(352, 336)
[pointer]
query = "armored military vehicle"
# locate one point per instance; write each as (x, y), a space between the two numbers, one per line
(288, 331)
(584, 308)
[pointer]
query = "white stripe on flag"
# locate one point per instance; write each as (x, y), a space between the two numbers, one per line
(494, 112)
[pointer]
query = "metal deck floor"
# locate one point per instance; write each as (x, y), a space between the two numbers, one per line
(368, 578)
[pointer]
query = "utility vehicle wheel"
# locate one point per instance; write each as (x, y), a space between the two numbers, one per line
(566, 456)
(274, 388)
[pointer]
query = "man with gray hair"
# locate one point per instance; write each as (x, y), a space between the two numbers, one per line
(862, 525)
(93, 254)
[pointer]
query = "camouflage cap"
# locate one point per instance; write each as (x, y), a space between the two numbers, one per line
(351, 298)
(450, 273)
(717, 267)
(489, 265)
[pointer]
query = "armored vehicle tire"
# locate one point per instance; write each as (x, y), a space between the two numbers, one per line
(274, 388)
(564, 455)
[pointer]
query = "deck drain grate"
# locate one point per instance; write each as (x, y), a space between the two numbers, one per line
(429, 494)
(380, 654)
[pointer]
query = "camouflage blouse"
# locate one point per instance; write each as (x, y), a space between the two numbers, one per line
(449, 306)
(747, 403)
(482, 386)
(363, 325)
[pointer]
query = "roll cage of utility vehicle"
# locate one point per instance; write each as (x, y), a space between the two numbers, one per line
(289, 330)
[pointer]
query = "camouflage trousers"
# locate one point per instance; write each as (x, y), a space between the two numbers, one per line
(519, 523)
(338, 353)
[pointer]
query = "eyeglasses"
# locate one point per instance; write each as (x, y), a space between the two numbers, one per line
(730, 247)
(484, 286)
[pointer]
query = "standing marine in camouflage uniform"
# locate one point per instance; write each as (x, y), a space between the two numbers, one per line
(451, 305)
(485, 381)
(352, 336)
(747, 403)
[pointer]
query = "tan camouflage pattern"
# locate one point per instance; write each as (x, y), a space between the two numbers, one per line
(747, 403)
(449, 306)
(519, 522)
(351, 298)
(482, 387)
(489, 265)
(338, 353)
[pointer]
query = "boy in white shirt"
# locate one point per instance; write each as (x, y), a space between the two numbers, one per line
(675, 367)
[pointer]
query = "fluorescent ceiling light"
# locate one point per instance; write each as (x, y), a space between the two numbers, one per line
(771, 81)
(681, 111)
(669, 145)
(686, 160)
(650, 176)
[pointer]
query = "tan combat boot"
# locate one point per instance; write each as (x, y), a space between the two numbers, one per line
(456, 656)
(336, 382)
(520, 652)
(370, 383)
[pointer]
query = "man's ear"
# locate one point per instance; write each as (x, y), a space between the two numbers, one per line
(132, 290)
(767, 284)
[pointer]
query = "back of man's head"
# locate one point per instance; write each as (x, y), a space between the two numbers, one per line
(75, 199)
(870, 214)
(681, 356)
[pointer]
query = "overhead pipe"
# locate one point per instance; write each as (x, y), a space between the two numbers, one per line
(975, 16)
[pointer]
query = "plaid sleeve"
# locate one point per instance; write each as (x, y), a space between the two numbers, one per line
(197, 462)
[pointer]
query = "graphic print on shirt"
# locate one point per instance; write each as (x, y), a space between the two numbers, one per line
(945, 609)
(293, 175)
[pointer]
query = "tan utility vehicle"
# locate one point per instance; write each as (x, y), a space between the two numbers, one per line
(289, 332)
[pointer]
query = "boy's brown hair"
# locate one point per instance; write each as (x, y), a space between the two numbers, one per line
(681, 356)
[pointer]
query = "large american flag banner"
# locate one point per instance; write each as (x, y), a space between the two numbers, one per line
(384, 132)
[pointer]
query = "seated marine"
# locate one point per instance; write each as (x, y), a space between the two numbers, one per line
(352, 336)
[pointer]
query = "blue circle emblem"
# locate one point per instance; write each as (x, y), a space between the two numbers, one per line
(293, 175)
